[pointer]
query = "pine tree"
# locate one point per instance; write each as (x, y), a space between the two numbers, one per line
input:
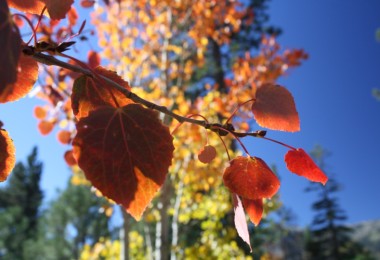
(74, 219)
(19, 207)
(328, 237)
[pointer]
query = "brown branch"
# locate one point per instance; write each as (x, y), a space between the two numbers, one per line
(215, 127)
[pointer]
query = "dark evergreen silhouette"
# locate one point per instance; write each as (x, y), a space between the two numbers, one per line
(20, 201)
(328, 237)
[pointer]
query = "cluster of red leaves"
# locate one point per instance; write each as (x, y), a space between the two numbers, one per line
(122, 147)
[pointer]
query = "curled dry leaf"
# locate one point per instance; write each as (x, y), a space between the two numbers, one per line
(250, 178)
(88, 94)
(125, 153)
(254, 209)
(7, 155)
(207, 154)
(300, 163)
(239, 219)
(64, 136)
(45, 127)
(274, 108)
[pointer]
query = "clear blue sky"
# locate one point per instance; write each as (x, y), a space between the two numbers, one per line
(333, 96)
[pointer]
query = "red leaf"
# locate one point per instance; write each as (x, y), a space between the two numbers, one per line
(274, 108)
(58, 9)
(300, 163)
(89, 94)
(125, 153)
(240, 222)
(207, 154)
(26, 77)
(69, 158)
(93, 59)
(250, 178)
(45, 127)
(10, 44)
(254, 209)
(28, 6)
(64, 136)
(7, 155)
(87, 3)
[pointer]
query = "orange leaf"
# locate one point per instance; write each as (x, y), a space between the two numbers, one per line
(64, 136)
(29, 6)
(250, 178)
(254, 209)
(207, 154)
(239, 219)
(125, 153)
(26, 77)
(58, 9)
(274, 108)
(88, 94)
(93, 59)
(40, 112)
(10, 43)
(45, 127)
(300, 163)
(69, 158)
(7, 155)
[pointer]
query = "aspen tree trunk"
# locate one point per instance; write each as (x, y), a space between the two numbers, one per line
(125, 235)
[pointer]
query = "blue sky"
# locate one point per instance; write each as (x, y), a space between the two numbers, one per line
(332, 91)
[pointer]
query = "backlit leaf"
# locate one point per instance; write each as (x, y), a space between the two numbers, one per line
(40, 112)
(239, 219)
(88, 94)
(274, 108)
(26, 77)
(64, 136)
(10, 43)
(58, 9)
(125, 153)
(93, 59)
(251, 178)
(7, 155)
(69, 158)
(207, 154)
(254, 209)
(28, 6)
(45, 127)
(300, 163)
(87, 3)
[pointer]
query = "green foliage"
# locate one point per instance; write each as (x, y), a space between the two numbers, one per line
(20, 200)
(71, 221)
